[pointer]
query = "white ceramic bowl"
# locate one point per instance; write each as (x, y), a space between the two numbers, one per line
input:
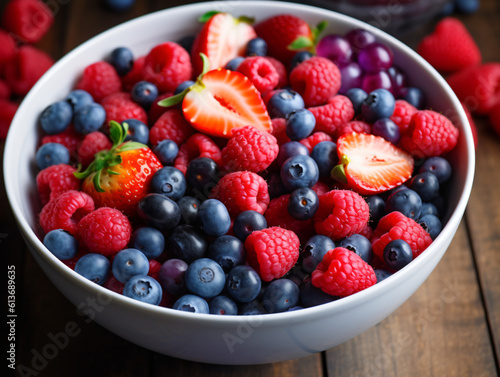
(210, 338)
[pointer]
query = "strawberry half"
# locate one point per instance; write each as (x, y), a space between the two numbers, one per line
(222, 38)
(370, 164)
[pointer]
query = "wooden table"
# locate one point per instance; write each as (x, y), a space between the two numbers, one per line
(449, 327)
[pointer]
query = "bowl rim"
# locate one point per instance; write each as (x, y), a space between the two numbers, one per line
(311, 312)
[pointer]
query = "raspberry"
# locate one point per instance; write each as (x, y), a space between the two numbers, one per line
(167, 65)
(320, 188)
(155, 111)
(395, 226)
(316, 80)
(278, 130)
(100, 80)
(154, 269)
(282, 72)
(429, 134)
(69, 138)
(24, 70)
(198, 145)
(354, 126)
(29, 20)
(367, 231)
(134, 75)
(55, 180)
(120, 106)
(65, 211)
(8, 48)
(277, 215)
(7, 111)
(171, 125)
(105, 230)
(331, 116)
(5, 91)
(249, 149)
(92, 143)
(114, 285)
(272, 252)
(403, 111)
(341, 213)
(342, 273)
(261, 73)
(242, 191)
(315, 138)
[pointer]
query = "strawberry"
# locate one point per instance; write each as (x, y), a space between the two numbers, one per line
(222, 38)
(119, 177)
(370, 164)
(220, 101)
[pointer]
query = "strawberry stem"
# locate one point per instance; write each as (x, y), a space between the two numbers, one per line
(338, 171)
(306, 43)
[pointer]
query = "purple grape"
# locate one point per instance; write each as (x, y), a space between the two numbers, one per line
(379, 80)
(375, 58)
(387, 129)
(336, 48)
(352, 77)
(359, 39)
(171, 276)
(398, 79)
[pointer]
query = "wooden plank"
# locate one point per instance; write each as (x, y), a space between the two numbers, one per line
(440, 331)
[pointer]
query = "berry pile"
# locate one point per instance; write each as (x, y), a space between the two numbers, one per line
(257, 180)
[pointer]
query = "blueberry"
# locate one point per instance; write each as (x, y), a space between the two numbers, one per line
(89, 118)
(228, 251)
(122, 60)
(299, 57)
(148, 240)
(312, 296)
(467, 6)
(274, 185)
(246, 222)
(299, 171)
(187, 42)
(325, 155)
(189, 209)
(357, 97)
(94, 267)
(438, 166)
(303, 203)
(187, 243)
(377, 208)
(192, 304)
(223, 305)
(234, 63)
(407, 202)
(202, 175)
(414, 96)
(213, 217)
(79, 98)
(144, 93)
(360, 245)
(380, 103)
(381, 274)
(256, 47)
(51, 154)
(166, 151)
(397, 254)
(171, 276)
(169, 181)
(159, 211)
(143, 288)
(300, 124)
(431, 225)
(205, 278)
(294, 308)
(56, 117)
(386, 128)
(61, 243)
(426, 185)
(448, 9)
(280, 295)
(429, 209)
(128, 263)
(314, 250)
(283, 102)
(183, 86)
(137, 131)
(290, 149)
(253, 307)
(119, 5)
(243, 283)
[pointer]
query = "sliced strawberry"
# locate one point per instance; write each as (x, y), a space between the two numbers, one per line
(370, 164)
(222, 38)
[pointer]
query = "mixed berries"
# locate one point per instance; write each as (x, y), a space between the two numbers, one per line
(246, 172)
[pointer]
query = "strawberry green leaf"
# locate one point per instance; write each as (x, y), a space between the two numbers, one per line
(129, 146)
(207, 16)
(318, 30)
(173, 100)
(97, 181)
(300, 43)
(117, 132)
(206, 66)
(246, 19)
(112, 172)
(338, 173)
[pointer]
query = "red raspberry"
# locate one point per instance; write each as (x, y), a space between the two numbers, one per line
(278, 130)
(28, 20)
(429, 134)
(315, 138)
(316, 80)
(277, 215)
(394, 226)
(120, 106)
(65, 211)
(354, 126)
(134, 75)
(114, 285)
(8, 48)
(198, 145)
(331, 116)
(155, 111)
(167, 65)
(403, 111)
(249, 149)
(24, 70)
(154, 268)
(242, 191)
(171, 125)
(341, 213)
(69, 138)
(100, 80)
(7, 111)
(105, 230)
(342, 273)
(261, 73)
(367, 231)
(272, 252)
(320, 188)
(92, 143)
(281, 69)
(5, 91)
(54, 180)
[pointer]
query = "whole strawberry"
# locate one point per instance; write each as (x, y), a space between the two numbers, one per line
(120, 177)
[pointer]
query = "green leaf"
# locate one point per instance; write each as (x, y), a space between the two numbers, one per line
(319, 29)
(116, 132)
(129, 146)
(173, 100)
(112, 172)
(97, 181)
(338, 173)
(206, 66)
(207, 16)
(115, 160)
(246, 19)
(300, 43)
